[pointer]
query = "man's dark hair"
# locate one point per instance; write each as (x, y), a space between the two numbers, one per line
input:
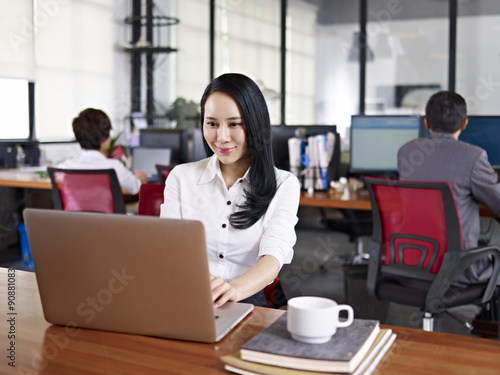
(91, 127)
(262, 177)
(446, 112)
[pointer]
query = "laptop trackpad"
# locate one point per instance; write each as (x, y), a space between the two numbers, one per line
(228, 316)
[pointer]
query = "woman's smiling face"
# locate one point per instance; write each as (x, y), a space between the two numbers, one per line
(224, 129)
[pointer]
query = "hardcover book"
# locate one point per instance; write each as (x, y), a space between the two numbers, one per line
(343, 353)
(369, 362)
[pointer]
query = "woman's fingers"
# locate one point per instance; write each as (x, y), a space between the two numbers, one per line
(221, 291)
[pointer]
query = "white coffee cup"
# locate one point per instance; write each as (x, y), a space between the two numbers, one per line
(314, 320)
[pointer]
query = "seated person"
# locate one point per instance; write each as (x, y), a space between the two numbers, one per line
(247, 206)
(92, 128)
(442, 157)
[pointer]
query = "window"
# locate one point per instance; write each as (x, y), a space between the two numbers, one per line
(478, 56)
(408, 55)
(301, 56)
(336, 75)
(247, 41)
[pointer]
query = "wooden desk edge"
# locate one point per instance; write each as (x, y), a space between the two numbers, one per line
(354, 201)
(42, 184)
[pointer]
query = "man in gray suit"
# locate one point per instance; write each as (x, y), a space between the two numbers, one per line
(442, 157)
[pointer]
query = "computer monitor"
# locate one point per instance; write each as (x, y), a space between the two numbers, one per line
(197, 146)
(375, 141)
(281, 134)
(173, 139)
(484, 131)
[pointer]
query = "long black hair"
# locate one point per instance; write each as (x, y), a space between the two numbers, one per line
(262, 177)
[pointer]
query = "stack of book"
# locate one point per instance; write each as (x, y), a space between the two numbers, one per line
(356, 349)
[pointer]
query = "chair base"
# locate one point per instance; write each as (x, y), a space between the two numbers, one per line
(465, 323)
(428, 322)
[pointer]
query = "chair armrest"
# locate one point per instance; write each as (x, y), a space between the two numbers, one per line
(454, 263)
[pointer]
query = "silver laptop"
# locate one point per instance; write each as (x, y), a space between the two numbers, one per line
(133, 274)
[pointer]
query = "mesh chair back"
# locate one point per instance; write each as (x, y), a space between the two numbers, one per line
(150, 199)
(91, 190)
(415, 224)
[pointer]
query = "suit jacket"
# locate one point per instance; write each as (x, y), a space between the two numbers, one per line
(473, 181)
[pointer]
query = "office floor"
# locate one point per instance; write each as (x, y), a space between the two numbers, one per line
(318, 269)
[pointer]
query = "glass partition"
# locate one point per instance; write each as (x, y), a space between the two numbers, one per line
(478, 56)
(247, 41)
(322, 83)
(408, 55)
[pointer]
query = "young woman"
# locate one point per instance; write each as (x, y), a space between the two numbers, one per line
(248, 207)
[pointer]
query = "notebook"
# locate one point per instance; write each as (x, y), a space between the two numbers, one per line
(145, 159)
(132, 274)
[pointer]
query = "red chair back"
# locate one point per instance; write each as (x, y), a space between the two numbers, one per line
(415, 224)
(417, 251)
(92, 190)
(150, 199)
(270, 292)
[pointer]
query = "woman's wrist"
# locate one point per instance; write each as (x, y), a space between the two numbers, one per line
(237, 290)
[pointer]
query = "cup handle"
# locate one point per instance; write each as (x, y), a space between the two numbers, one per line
(350, 316)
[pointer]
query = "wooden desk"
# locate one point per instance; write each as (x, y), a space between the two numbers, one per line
(32, 180)
(21, 179)
(352, 201)
(41, 348)
(349, 201)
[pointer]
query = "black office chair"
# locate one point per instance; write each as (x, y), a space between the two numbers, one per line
(417, 250)
(92, 190)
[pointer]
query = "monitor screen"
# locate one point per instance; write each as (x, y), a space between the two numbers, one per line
(484, 131)
(17, 109)
(375, 141)
(197, 146)
(173, 139)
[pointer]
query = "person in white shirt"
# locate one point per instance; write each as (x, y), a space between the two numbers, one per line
(248, 207)
(92, 130)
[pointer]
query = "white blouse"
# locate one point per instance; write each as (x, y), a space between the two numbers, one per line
(197, 191)
(93, 159)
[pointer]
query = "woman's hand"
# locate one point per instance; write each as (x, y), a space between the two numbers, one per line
(222, 292)
(252, 281)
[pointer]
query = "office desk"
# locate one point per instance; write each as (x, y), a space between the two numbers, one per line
(41, 348)
(32, 180)
(352, 201)
(324, 199)
(24, 179)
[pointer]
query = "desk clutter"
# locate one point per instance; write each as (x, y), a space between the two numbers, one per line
(356, 349)
(310, 158)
